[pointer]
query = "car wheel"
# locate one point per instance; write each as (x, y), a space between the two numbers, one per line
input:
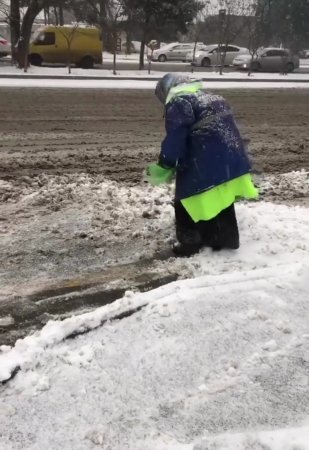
(162, 58)
(87, 62)
(206, 62)
(35, 60)
(255, 66)
(290, 67)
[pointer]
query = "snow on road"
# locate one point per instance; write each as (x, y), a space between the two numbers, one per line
(229, 80)
(217, 361)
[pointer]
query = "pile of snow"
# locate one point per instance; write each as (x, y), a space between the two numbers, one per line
(90, 205)
(218, 361)
(283, 187)
(108, 211)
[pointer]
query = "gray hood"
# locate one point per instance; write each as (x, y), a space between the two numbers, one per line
(166, 83)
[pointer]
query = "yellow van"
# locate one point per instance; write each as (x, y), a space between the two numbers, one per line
(54, 44)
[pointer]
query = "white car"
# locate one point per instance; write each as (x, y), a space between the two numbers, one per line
(212, 55)
(174, 52)
(5, 47)
(268, 60)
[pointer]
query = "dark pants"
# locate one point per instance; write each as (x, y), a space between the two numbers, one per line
(219, 232)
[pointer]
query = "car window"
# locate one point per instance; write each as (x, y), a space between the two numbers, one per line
(214, 50)
(275, 53)
(45, 38)
(279, 53)
(207, 48)
(232, 49)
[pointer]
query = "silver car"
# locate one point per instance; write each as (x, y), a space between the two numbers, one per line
(304, 54)
(268, 60)
(174, 52)
(5, 47)
(212, 55)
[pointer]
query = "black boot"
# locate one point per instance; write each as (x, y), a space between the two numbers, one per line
(185, 250)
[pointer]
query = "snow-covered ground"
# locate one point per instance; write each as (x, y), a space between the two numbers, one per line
(142, 84)
(216, 361)
(63, 71)
(229, 80)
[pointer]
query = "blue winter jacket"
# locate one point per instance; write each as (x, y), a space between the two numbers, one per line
(202, 142)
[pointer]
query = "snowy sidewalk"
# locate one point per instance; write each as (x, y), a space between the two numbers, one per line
(218, 361)
(116, 83)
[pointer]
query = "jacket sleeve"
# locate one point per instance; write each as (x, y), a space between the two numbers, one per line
(178, 121)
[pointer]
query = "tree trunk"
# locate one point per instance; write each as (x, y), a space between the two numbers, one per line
(14, 26)
(115, 37)
(129, 43)
(129, 34)
(194, 53)
(149, 61)
(250, 65)
(222, 62)
(142, 54)
(61, 17)
(25, 34)
(115, 62)
(56, 16)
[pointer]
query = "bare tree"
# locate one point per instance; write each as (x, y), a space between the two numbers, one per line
(232, 17)
(108, 15)
(151, 16)
(129, 30)
(115, 17)
(58, 6)
(152, 45)
(61, 15)
(56, 16)
(46, 15)
(197, 27)
(255, 29)
(33, 9)
(68, 33)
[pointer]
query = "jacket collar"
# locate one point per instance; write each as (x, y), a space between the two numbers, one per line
(183, 89)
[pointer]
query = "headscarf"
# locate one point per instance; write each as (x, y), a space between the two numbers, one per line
(167, 82)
